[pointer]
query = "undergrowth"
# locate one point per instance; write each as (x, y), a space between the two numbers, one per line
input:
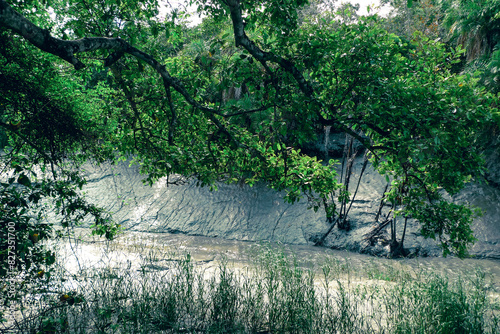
(273, 295)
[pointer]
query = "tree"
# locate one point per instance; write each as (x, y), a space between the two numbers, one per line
(50, 128)
(425, 16)
(162, 96)
(476, 26)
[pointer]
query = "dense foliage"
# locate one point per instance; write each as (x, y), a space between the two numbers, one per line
(49, 126)
(234, 99)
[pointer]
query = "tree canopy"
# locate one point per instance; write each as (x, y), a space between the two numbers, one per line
(233, 99)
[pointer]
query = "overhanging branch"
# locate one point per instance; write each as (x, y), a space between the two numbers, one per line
(67, 50)
(241, 39)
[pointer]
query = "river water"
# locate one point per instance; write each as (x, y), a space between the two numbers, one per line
(132, 247)
(140, 253)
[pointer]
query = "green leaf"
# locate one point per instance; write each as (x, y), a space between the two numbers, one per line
(24, 180)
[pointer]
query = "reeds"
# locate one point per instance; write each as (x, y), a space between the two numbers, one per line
(273, 295)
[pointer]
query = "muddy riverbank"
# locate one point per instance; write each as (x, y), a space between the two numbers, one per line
(240, 212)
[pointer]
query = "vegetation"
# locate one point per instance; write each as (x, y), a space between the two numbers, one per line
(274, 295)
(235, 99)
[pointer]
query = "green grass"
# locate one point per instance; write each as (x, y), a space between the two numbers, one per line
(273, 295)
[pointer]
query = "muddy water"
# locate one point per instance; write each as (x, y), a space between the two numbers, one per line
(159, 249)
(139, 252)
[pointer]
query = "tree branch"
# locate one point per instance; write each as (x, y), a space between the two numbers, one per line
(243, 112)
(241, 39)
(13, 129)
(66, 50)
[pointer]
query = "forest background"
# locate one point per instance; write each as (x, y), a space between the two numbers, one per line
(235, 99)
